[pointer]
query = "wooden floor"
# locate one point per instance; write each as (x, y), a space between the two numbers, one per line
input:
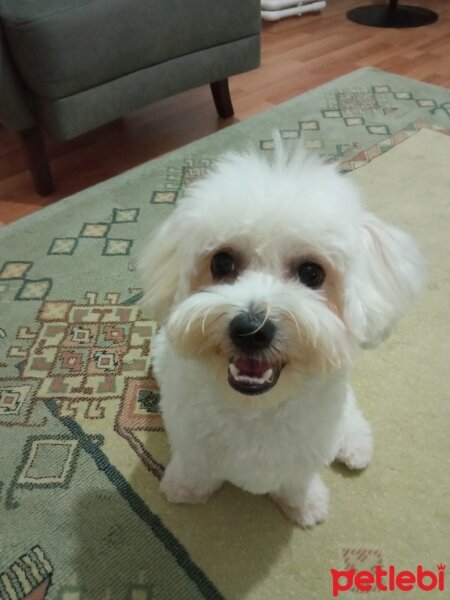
(298, 54)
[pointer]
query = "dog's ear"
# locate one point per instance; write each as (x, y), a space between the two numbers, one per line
(160, 268)
(389, 274)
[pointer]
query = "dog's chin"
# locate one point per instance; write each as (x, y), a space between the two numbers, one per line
(252, 377)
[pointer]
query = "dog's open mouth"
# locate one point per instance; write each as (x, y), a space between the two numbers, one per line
(250, 376)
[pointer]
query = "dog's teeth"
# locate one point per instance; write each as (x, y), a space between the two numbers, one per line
(268, 375)
(234, 371)
(251, 380)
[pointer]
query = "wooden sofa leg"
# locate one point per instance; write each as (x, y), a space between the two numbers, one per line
(222, 99)
(35, 152)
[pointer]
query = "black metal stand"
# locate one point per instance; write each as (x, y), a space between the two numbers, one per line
(392, 15)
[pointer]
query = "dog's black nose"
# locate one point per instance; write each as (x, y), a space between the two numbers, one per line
(251, 332)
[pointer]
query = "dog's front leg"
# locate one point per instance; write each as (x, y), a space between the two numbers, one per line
(187, 480)
(306, 502)
(356, 442)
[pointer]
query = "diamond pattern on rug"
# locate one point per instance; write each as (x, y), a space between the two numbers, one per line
(12, 399)
(37, 289)
(28, 289)
(49, 461)
(117, 247)
(63, 246)
(129, 215)
(102, 230)
(15, 270)
(95, 230)
(426, 103)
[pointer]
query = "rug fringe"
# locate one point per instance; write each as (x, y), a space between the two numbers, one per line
(28, 572)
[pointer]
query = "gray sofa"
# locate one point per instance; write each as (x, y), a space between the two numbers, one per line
(68, 66)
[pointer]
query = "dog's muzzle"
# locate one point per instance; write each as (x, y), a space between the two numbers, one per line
(251, 334)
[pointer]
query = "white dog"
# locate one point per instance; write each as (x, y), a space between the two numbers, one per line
(266, 279)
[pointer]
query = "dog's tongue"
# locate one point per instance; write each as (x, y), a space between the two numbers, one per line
(251, 367)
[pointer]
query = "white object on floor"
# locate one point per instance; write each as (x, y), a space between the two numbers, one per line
(279, 4)
(288, 8)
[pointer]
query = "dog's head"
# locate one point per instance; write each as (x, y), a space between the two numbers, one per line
(273, 271)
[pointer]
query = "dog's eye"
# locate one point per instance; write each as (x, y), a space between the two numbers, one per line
(311, 274)
(222, 265)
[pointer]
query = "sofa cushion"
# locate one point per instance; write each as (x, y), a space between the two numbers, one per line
(62, 47)
(70, 116)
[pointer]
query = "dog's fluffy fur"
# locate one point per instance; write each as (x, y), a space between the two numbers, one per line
(270, 217)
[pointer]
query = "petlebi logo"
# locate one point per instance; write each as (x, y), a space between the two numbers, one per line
(388, 580)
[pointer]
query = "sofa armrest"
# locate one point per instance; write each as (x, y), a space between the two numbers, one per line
(15, 113)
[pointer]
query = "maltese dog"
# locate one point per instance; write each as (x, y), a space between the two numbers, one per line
(266, 279)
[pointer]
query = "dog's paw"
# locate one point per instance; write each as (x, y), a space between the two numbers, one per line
(355, 456)
(308, 509)
(356, 449)
(179, 491)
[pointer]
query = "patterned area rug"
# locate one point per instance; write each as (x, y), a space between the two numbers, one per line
(82, 447)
